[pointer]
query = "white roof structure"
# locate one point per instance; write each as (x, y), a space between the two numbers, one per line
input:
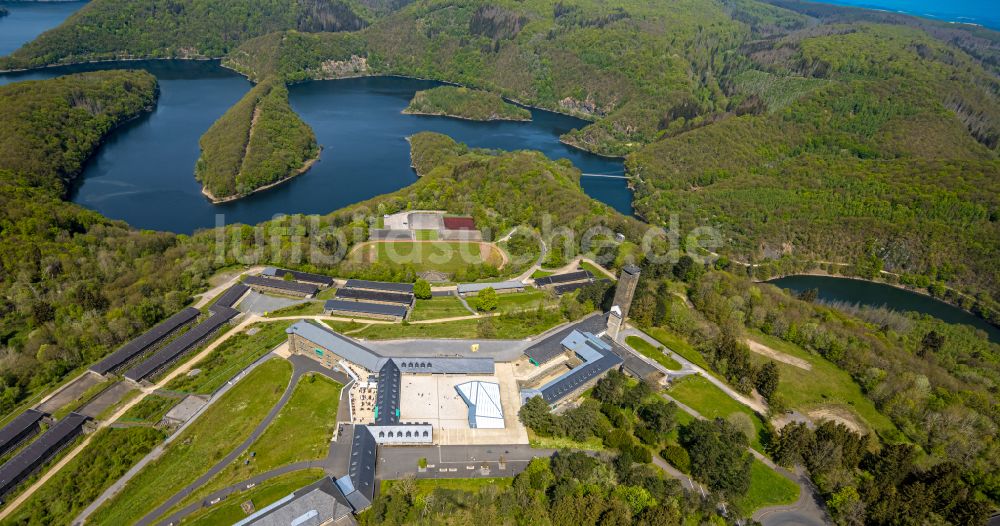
(483, 399)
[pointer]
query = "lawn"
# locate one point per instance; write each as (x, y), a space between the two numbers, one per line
(438, 307)
(767, 488)
(426, 486)
(824, 386)
(540, 274)
(213, 435)
(648, 351)
(301, 431)
(522, 301)
(109, 455)
(442, 256)
(265, 493)
(704, 397)
(504, 327)
(591, 444)
(426, 235)
(309, 308)
(231, 357)
(679, 345)
(149, 410)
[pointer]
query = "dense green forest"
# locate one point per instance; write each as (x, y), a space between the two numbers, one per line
(122, 29)
(936, 382)
(817, 132)
(571, 488)
(74, 284)
(465, 103)
(257, 142)
(49, 128)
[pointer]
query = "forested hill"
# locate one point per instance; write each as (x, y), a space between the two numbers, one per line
(258, 142)
(49, 128)
(118, 29)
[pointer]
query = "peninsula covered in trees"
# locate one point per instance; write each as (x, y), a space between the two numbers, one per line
(259, 142)
(465, 103)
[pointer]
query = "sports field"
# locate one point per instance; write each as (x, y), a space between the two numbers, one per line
(442, 256)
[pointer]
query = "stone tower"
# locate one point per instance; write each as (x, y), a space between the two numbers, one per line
(615, 323)
(625, 290)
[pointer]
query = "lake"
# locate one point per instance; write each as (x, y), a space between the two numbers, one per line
(878, 295)
(981, 12)
(144, 173)
(27, 20)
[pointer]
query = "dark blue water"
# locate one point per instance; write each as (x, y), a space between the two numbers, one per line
(144, 173)
(981, 12)
(878, 295)
(27, 20)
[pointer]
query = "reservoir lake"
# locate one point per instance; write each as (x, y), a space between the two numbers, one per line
(144, 172)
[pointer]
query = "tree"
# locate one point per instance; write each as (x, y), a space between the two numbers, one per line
(422, 289)
(611, 388)
(931, 344)
(719, 457)
(659, 415)
(486, 329)
(535, 414)
(809, 295)
(486, 300)
(288, 276)
(767, 380)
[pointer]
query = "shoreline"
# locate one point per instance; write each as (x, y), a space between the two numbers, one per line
(900, 286)
(407, 111)
(303, 169)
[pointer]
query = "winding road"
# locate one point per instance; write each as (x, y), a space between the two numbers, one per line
(300, 367)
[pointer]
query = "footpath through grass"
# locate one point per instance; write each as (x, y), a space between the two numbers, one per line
(704, 397)
(767, 488)
(213, 435)
(648, 351)
(231, 357)
(825, 386)
(229, 511)
(301, 431)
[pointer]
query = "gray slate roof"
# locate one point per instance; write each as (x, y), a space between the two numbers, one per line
(465, 288)
(18, 428)
(317, 503)
(363, 307)
(145, 341)
(401, 298)
(182, 344)
(280, 284)
(39, 451)
(307, 277)
(379, 285)
(344, 347)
